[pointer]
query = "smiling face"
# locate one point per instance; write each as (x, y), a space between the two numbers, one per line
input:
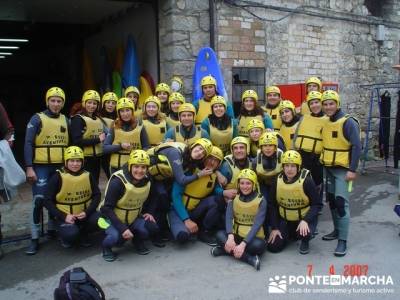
(91, 106)
(110, 106)
(245, 186)
(208, 91)
(212, 163)
(273, 98)
(133, 96)
(290, 171)
(55, 104)
(239, 151)
(287, 115)
(198, 153)
(218, 110)
(163, 96)
(74, 165)
(329, 107)
(138, 171)
(249, 104)
(126, 114)
(315, 106)
(312, 87)
(175, 106)
(255, 134)
(151, 109)
(186, 118)
(268, 150)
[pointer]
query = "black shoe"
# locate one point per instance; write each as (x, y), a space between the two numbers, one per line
(51, 234)
(330, 236)
(207, 237)
(165, 235)
(140, 247)
(304, 247)
(108, 254)
(66, 245)
(252, 260)
(33, 247)
(340, 248)
(316, 231)
(1, 253)
(218, 251)
(158, 241)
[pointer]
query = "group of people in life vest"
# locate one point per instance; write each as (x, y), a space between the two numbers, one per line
(185, 172)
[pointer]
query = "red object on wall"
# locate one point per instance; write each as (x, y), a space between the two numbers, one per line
(296, 92)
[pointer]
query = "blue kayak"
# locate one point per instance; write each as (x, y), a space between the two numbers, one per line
(130, 68)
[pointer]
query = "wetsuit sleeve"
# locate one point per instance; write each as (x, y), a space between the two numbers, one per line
(144, 139)
(224, 170)
(204, 134)
(177, 204)
(268, 121)
(52, 190)
(115, 191)
(273, 206)
(235, 128)
(351, 132)
(205, 125)
(96, 196)
(229, 218)
(32, 129)
(108, 147)
(175, 160)
(310, 190)
(77, 129)
(229, 110)
(196, 105)
(258, 221)
(170, 134)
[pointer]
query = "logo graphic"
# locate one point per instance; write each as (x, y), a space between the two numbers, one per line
(277, 285)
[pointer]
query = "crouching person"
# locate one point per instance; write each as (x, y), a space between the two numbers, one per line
(126, 192)
(72, 196)
(295, 204)
(244, 236)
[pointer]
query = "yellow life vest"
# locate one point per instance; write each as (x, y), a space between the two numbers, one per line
(138, 113)
(335, 147)
(203, 111)
(108, 121)
(244, 214)
(172, 122)
(292, 201)
(93, 129)
(130, 205)
(232, 184)
(222, 138)
(179, 137)
(52, 140)
(119, 158)
(244, 121)
(75, 194)
(155, 132)
(266, 176)
(304, 109)
(160, 167)
(308, 137)
(287, 134)
(198, 190)
(275, 116)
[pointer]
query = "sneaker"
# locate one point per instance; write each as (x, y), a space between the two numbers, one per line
(140, 247)
(218, 251)
(108, 254)
(340, 248)
(304, 247)
(207, 237)
(33, 247)
(254, 260)
(330, 236)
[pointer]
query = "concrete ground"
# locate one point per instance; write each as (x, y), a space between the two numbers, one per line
(190, 272)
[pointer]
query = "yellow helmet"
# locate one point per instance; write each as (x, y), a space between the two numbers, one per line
(90, 95)
(250, 94)
(287, 104)
(218, 100)
(205, 143)
(152, 99)
(315, 80)
(131, 89)
(331, 95)
(54, 92)
(217, 153)
(138, 157)
(255, 123)
(268, 138)
(187, 107)
(110, 96)
(240, 140)
(163, 87)
(314, 95)
(272, 89)
(248, 174)
(208, 80)
(176, 96)
(73, 152)
(125, 103)
(291, 157)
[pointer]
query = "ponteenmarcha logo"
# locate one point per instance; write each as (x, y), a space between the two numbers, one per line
(277, 285)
